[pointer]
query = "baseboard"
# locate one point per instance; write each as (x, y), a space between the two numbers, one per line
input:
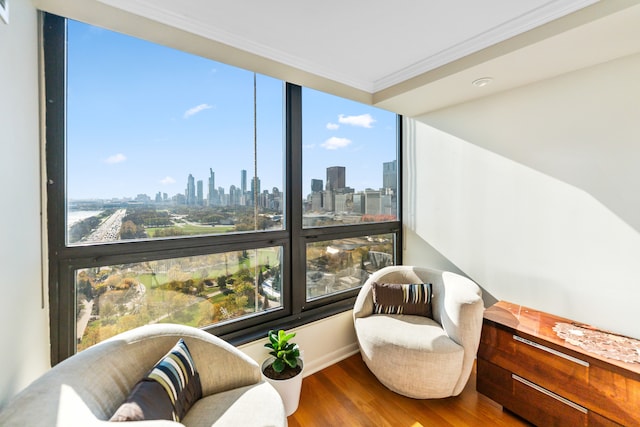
(318, 364)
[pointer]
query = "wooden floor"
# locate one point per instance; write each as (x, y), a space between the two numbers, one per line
(347, 394)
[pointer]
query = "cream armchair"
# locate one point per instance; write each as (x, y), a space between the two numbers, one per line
(414, 355)
(87, 388)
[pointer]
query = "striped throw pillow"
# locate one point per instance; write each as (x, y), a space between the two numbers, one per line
(399, 298)
(167, 392)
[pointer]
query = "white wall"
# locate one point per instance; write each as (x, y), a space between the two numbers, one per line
(322, 343)
(24, 330)
(581, 127)
(523, 235)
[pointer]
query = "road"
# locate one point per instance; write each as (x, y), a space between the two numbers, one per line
(83, 319)
(109, 230)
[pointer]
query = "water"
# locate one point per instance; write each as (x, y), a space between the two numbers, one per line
(77, 216)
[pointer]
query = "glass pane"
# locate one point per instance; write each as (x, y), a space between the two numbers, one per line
(161, 143)
(339, 265)
(197, 291)
(349, 161)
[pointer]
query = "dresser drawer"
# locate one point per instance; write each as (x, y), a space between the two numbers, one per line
(545, 408)
(523, 365)
(532, 402)
(558, 372)
(615, 395)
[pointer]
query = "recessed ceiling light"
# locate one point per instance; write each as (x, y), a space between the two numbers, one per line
(482, 81)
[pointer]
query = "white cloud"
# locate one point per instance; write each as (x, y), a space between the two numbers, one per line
(363, 120)
(195, 110)
(335, 143)
(332, 126)
(167, 180)
(116, 158)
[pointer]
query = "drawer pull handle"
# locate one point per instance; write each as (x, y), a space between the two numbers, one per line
(550, 350)
(550, 394)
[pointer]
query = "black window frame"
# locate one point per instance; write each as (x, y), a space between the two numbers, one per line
(64, 259)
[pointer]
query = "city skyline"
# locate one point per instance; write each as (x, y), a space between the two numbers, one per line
(194, 188)
(141, 117)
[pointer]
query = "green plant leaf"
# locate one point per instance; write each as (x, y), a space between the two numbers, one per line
(285, 353)
(278, 365)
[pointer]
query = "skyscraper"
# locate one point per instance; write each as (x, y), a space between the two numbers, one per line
(190, 193)
(200, 193)
(336, 177)
(316, 185)
(211, 197)
(390, 174)
(243, 181)
(255, 188)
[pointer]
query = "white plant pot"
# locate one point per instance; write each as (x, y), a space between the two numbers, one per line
(288, 389)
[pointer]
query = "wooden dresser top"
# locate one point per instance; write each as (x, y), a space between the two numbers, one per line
(538, 324)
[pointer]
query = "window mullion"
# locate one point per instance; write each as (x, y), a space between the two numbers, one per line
(294, 181)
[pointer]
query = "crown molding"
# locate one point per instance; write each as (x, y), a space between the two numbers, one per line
(548, 12)
(150, 10)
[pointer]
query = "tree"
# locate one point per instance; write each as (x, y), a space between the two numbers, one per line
(84, 287)
(129, 230)
(247, 290)
(276, 281)
(245, 275)
(260, 278)
(222, 282)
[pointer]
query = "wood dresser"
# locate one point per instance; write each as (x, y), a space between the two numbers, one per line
(524, 366)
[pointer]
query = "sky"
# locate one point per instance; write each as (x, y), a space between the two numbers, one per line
(141, 117)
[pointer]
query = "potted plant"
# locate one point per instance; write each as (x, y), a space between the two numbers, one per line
(283, 369)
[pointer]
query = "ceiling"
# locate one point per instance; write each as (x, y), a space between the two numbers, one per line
(411, 57)
(370, 44)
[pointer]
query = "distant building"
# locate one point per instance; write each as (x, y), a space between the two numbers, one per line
(373, 202)
(143, 198)
(212, 197)
(316, 185)
(243, 181)
(358, 203)
(190, 192)
(255, 189)
(388, 205)
(235, 196)
(343, 202)
(316, 201)
(390, 175)
(328, 200)
(200, 193)
(336, 177)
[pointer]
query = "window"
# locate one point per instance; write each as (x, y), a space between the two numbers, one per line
(161, 143)
(198, 291)
(349, 168)
(339, 265)
(350, 180)
(182, 190)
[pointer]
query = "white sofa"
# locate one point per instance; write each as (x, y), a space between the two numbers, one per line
(87, 388)
(418, 356)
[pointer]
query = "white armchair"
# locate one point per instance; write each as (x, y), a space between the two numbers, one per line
(417, 356)
(87, 388)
